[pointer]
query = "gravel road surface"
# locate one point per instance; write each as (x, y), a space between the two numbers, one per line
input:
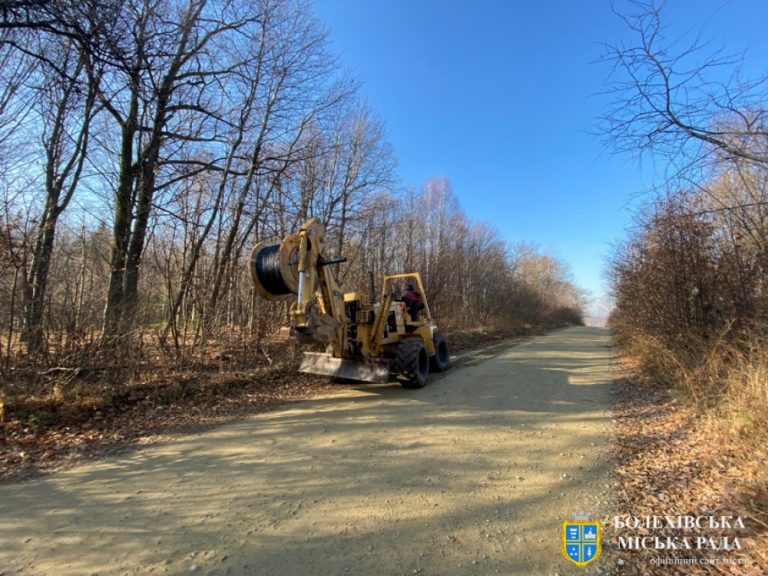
(471, 475)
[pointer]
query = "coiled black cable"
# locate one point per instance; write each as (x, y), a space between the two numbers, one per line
(267, 267)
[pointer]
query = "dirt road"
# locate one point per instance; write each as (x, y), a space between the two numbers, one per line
(471, 475)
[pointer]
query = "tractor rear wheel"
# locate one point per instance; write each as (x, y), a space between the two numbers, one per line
(440, 361)
(412, 363)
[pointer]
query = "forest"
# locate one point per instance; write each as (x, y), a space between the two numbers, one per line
(147, 145)
(689, 278)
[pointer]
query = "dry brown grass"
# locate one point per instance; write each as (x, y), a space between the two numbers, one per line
(674, 459)
(726, 379)
(691, 431)
(744, 406)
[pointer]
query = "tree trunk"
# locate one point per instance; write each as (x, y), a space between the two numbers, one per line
(113, 312)
(138, 237)
(37, 285)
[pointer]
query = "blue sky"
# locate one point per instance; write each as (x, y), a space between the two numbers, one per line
(500, 97)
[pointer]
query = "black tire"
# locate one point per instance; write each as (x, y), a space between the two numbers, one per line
(441, 360)
(412, 363)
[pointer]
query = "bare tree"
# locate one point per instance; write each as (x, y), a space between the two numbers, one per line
(164, 98)
(291, 85)
(15, 69)
(681, 99)
(360, 161)
(66, 107)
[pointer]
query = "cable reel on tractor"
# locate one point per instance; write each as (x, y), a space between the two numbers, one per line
(363, 342)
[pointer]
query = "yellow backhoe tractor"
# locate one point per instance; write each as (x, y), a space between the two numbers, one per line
(367, 342)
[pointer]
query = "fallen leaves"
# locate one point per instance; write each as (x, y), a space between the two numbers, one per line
(674, 461)
(141, 414)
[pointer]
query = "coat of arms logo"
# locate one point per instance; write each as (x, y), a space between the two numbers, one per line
(581, 539)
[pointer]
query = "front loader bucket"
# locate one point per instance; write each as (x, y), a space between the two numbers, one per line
(327, 365)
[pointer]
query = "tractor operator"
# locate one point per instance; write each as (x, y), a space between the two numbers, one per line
(413, 301)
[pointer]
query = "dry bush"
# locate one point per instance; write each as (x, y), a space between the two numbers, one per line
(566, 316)
(691, 303)
(726, 378)
(745, 404)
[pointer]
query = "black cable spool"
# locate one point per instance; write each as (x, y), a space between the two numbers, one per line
(266, 264)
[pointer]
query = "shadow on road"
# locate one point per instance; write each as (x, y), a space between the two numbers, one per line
(469, 475)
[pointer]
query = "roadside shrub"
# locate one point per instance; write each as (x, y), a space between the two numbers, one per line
(746, 395)
(692, 301)
(567, 316)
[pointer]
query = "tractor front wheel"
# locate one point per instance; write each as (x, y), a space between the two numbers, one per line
(412, 363)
